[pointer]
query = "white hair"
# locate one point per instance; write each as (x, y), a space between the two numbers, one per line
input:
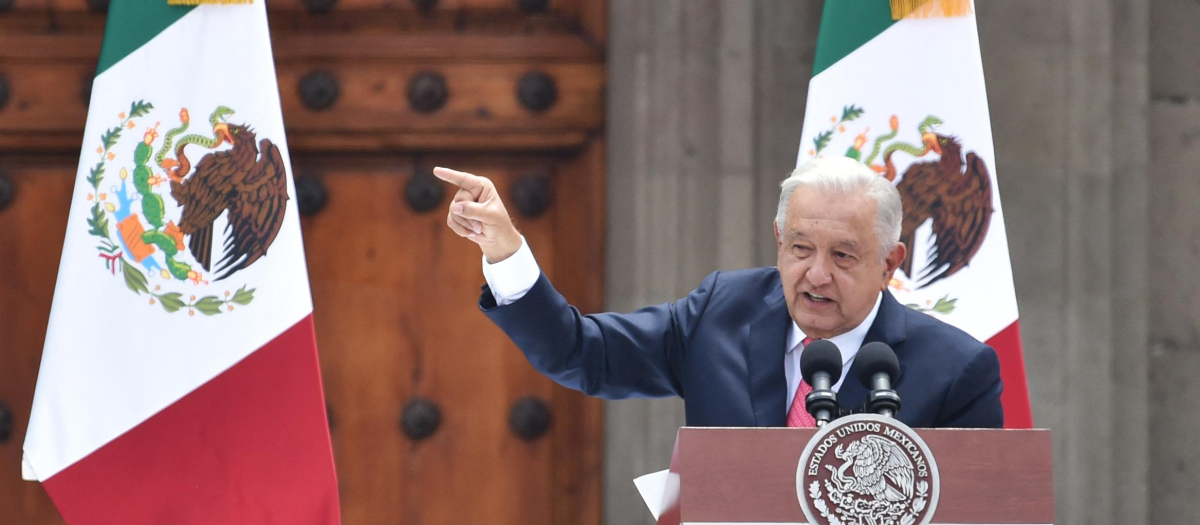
(846, 176)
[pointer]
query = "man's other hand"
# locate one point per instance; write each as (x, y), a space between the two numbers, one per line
(477, 213)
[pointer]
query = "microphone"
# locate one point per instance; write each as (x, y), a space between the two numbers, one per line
(878, 367)
(821, 367)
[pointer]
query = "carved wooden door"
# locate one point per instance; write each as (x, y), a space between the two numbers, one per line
(435, 416)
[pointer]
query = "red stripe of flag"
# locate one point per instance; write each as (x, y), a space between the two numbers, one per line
(1015, 398)
(250, 446)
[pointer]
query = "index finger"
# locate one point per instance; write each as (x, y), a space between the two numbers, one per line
(461, 179)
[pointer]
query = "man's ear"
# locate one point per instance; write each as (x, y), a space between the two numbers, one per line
(893, 260)
(778, 239)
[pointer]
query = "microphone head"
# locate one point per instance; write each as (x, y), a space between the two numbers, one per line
(874, 358)
(821, 356)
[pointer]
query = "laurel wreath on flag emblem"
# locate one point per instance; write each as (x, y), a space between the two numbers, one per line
(174, 244)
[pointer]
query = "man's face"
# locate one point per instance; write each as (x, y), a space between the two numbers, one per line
(828, 259)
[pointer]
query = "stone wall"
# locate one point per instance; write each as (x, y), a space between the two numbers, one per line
(1173, 246)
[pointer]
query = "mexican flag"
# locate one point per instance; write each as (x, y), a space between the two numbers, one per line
(898, 85)
(179, 381)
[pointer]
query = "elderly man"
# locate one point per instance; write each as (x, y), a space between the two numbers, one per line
(731, 348)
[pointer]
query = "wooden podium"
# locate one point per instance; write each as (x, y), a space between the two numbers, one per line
(750, 475)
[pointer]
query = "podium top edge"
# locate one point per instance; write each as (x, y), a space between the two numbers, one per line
(919, 429)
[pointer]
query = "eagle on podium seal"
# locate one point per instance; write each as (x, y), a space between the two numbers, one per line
(867, 470)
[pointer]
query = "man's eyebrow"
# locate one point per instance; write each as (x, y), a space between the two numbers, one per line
(796, 235)
(847, 244)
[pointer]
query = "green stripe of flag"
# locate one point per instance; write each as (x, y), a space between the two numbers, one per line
(846, 25)
(132, 23)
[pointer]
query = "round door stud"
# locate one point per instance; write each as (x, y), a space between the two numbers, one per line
(423, 192)
(529, 418)
(8, 190)
(5, 90)
(536, 91)
(319, 6)
(533, 6)
(420, 418)
(310, 195)
(531, 195)
(427, 92)
(98, 6)
(85, 88)
(424, 6)
(6, 423)
(319, 90)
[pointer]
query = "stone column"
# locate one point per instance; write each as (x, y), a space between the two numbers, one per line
(1174, 251)
(706, 98)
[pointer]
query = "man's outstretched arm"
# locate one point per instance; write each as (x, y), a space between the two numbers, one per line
(608, 355)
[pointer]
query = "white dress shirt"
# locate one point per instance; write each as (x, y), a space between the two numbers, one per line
(512, 278)
(847, 343)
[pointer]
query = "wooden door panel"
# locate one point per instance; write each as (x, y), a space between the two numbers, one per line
(395, 308)
(545, 17)
(32, 226)
(42, 103)
(579, 195)
(61, 6)
(434, 5)
(372, 111)
(479, 97)
(402, 5)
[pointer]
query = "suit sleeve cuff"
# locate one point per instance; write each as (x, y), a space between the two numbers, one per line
(512, 278)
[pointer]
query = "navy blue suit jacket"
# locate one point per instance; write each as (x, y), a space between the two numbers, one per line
(721, 349)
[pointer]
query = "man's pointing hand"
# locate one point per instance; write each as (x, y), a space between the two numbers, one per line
(477, 213)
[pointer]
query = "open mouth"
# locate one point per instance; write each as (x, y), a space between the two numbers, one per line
(817, 299)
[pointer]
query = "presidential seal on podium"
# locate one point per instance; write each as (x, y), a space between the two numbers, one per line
(867, 470)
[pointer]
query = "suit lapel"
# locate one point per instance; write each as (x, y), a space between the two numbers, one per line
(887, 328)
(768, 384)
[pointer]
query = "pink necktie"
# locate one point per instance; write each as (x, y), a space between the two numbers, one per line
(798, 415)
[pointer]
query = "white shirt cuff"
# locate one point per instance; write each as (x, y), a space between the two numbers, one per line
(512, 278)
